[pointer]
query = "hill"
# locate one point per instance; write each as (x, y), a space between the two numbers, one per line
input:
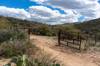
(91, 26)
(9, 21)
(36, 27)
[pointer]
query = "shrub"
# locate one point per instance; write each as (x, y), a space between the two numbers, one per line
(14, 43)
(15, 48)
(4, 36)
(43, 30)
(44, 59)
(41, 59)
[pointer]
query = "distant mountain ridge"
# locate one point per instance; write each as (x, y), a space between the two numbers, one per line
(90, 26)
(6, 21)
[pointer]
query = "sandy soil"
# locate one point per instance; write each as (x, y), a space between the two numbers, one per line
(4, 61)
(68, 58)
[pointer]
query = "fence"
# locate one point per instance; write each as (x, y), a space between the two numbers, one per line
(77, 40)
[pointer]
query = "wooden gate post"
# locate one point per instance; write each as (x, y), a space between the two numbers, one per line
(59, 37)
(80, 44)
(95, 39)
(29, 32)
(80, 40)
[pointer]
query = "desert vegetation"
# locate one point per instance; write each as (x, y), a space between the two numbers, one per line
(15, 40)
(15, 44)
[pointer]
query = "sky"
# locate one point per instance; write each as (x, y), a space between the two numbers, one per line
(51, 11)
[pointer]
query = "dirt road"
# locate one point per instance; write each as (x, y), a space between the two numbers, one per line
(68, 59)
(4, 61)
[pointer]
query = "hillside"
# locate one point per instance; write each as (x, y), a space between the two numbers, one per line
(36, 27)
(8, 21)
(44, 29)
(15, 43)
(92, 25)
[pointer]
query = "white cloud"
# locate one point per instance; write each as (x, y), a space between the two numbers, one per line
(73, 9)
(39, 1)
(87, 8)
(12, 12)
(72, 4)
(35, 13)
(43, 11)
(40, 14)
(48, 15)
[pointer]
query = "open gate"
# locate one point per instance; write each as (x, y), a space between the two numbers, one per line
(67, 39)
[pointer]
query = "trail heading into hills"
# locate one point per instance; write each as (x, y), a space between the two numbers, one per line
(68, 59)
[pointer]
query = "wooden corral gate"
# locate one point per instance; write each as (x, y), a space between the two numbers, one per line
(93, 39)
(67, 39)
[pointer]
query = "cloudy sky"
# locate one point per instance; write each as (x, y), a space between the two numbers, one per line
(51, 11)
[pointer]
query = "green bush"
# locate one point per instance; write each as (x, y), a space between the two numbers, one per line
(4, 36)
(41, 60)
(15, 48)
(14, 43)
(43, 30)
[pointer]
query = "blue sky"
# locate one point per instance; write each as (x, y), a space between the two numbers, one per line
(17, 3)
(24, 4)
(51, 11)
